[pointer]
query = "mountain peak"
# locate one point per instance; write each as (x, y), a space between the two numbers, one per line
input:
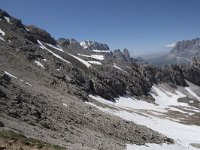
(187, 48)
(94, 45)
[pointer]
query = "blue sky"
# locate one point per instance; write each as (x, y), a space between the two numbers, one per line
(142, 26)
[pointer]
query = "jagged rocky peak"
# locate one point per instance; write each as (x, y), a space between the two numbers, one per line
(187, 48)
(122, 56)
(74, 41)
(70, 44)
(11, 20)
(127, 54)
(64, 42)
(41, 34)
(94, 45)
(119, 55)
(67, 41)
(3, 14)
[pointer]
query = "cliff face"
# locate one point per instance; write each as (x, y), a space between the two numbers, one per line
(187, 48)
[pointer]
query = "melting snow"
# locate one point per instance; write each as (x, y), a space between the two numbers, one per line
(118, 68)
(2, 32)
(95, 62)
(81, 60)
(39, 64)
(192, 93)
(138, 111)
(98, 57)
(165, 99)
(7, 19)
(43, 47)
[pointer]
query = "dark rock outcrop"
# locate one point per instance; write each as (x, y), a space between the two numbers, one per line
(40, 34)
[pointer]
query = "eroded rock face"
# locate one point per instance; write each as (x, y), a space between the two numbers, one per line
(40, 34)
(3, 14)
(126, 54)
(118, 55)
(187, 48)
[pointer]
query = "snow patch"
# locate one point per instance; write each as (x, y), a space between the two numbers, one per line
(98, 57)
(26, 82)
(101, 51)
(84, 45)
(10, 75)
(43, 47)
(64, 104)
(57, 47)
(2, 32)
(165, 99)
(39, 64)
(87, 64)
(114, 65)
(95, 62)
(27, 30)
(2, 39)
(192, 93)
(7, 19)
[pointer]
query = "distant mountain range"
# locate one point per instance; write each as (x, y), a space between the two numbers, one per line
(182, 53)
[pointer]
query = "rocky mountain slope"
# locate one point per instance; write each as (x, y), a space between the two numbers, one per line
(46, 87)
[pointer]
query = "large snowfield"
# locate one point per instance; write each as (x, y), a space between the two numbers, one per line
(155, 116)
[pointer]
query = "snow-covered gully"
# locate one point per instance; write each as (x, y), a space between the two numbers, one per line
(155, 116)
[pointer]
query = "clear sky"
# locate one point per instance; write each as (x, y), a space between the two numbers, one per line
(139, 25)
